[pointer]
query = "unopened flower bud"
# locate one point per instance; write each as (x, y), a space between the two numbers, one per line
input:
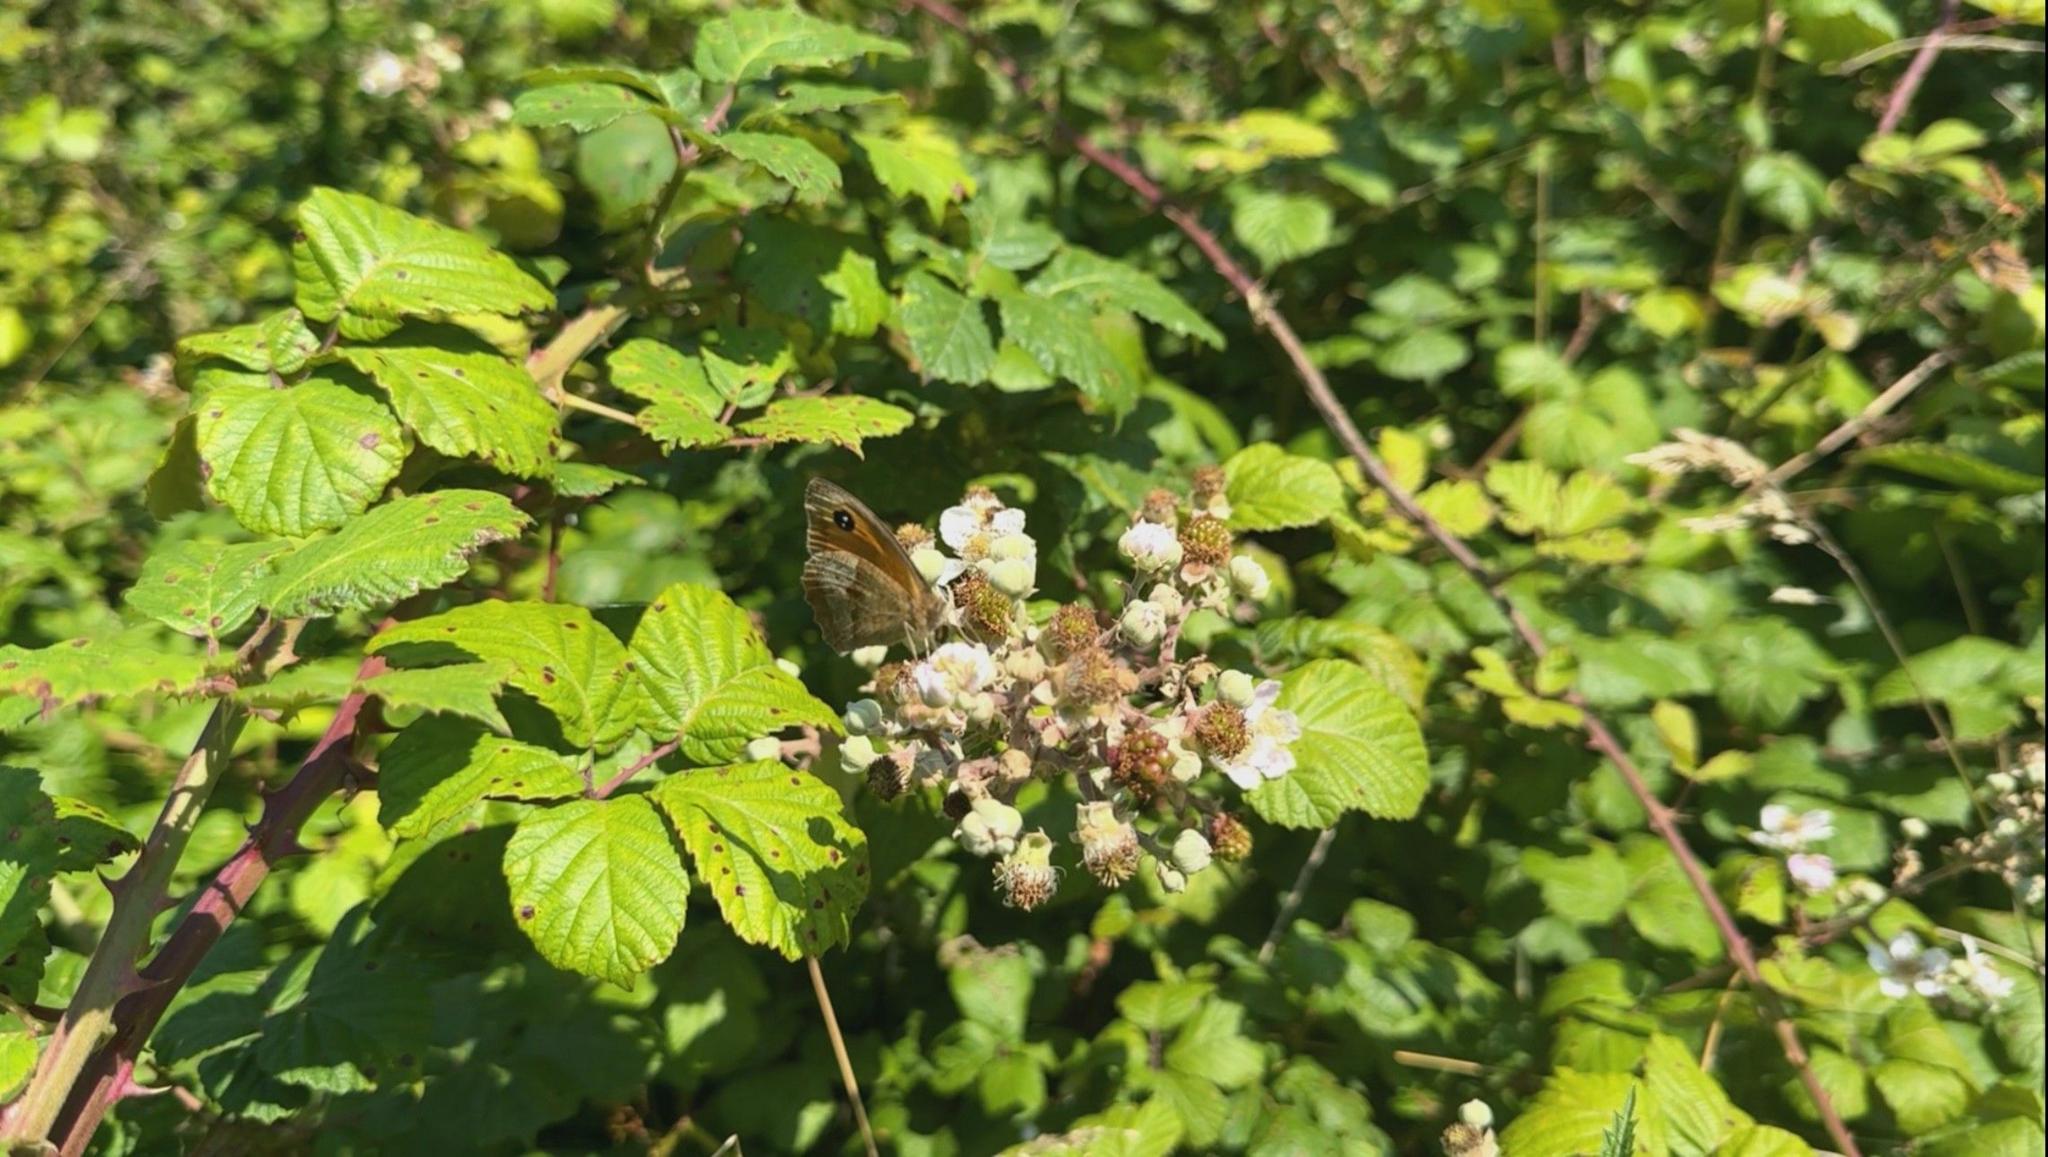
(974, 837)
(1005, 823)
(1236, 688)
(1249, 578)
(1168, 598)
(1477, 1114)
(1191, 852)
(766, 747)
(1142, 624)
(1172, 879)
(1913, 828)
(1187, 766)
(2000, 782)
(1013, 546)
(1026, 878)
(980, 707)
(863, 717)
(857, 752)
(1150, 546)
(1015, 577)
(868, 658)
(929, 561)
(789, 667)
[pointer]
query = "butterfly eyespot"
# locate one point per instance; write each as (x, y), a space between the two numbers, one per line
(842, 520)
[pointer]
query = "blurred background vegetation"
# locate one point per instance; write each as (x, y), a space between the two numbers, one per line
(1510, 230)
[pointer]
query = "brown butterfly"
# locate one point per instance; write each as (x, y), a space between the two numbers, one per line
(860, 582)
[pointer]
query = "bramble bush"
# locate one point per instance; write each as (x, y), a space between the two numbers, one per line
(1492, 555)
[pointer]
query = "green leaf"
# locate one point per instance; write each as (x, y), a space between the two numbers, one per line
(439, 768)
(1061, 338)
(1662, 904)
(1764, 1141)
(802, 98)
(655, 372)
(1160, 1005)
(28, 856)
(1279, 227)
(203, 589)
(1360, 750)
(1270, 489)
(793, 160)
(464, 690)
(786, 867)
(1212, 1046)
(1423, 355)
(750, 43)
(279, 343)
(87, 837)
(1006, 240)
(365, 260)
(1698, 1116)
(401, 548)
(918, 161)
(1768, 670)
(558, 654)
(95, 668)
(466, 404)
(353, 1010)
(681, 426)
(295, 460)
(1589, 889)
(1785, 188)
(1949, 465)
(944, 328)
(598, 886)
(1573, 1113)
(1922, 1096)
(837, 419)
(1096, 279)
(584, 106)
(709, 681)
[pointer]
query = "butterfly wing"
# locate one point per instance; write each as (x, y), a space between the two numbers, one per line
(855, 603)
(860, 582)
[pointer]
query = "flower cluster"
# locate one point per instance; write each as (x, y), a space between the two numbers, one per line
(1103, 701)
(1905, 965)
(1780, 829)
(2011, 847)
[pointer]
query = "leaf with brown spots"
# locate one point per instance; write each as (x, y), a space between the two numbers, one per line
(439, 768)
(466, 404)
(69, 672)
(710, 681)
(204, 589)
(292, 461)
(561, 655)
(786, 867)
(598, 886)
(401, 548)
